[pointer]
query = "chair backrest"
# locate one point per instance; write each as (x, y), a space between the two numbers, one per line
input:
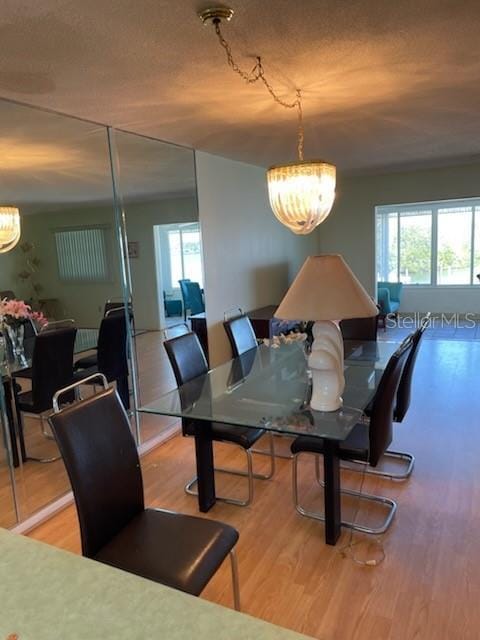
(240, 334)
(394, 289)
(405, 387)
(112, 346)
(52, 325)
(184, 292)
(359, 328)
(8, 294)
(186, 357)
(102, 462)
(52, 365)
(176, 330)
(381, 420)
(195, 298)
(113, 307)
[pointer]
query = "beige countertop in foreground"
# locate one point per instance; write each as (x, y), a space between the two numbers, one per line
(50, 594)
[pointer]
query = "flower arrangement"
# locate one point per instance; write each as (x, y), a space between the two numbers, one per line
(16, 312)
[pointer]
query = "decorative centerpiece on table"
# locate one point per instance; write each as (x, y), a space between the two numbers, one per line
(14, 314)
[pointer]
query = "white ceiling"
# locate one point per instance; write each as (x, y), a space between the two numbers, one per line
(386, 82)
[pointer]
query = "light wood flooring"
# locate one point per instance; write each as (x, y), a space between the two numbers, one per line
(428, 586)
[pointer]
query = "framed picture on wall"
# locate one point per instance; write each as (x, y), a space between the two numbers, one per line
(133, 249)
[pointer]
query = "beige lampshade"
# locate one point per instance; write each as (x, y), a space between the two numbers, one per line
(326, 289)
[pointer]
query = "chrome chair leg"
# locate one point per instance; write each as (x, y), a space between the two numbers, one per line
(249, 474)
(408, 458)
(387, 502)
(46, 435)
(235, 580)
(263, 452)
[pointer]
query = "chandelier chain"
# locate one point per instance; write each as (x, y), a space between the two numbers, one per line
(258, 73)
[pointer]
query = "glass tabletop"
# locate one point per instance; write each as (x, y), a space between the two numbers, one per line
(270, 388)
(85, 340)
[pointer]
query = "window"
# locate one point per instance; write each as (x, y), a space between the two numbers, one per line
(436, 243)
(185, 255)
(82, 254)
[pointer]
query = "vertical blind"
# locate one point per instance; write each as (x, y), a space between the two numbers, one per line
(82, 254)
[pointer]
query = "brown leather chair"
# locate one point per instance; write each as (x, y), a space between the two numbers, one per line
(189, 363)
(102, 462)
(367, 442)
(402, 404)
(52, 369)
(240, 334)
(111, 357)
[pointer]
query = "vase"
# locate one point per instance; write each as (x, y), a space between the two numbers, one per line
(16, 335)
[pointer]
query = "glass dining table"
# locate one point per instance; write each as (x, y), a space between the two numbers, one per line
(270, 388)
(10, 367)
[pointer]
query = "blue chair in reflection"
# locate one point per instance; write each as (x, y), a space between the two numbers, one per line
(192, 297)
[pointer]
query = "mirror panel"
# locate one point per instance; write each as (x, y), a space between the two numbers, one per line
(157, 187)
(57, 171)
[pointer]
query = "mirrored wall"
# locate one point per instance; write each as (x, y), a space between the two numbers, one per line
(109, 228)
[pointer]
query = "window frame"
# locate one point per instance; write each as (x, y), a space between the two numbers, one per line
(434, 206)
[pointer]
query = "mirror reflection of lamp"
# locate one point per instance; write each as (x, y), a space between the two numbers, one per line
(9, 228)
(326, 291)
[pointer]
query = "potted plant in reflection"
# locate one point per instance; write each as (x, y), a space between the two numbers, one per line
(14, 314)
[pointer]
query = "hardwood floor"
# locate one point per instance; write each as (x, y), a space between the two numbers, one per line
(428, 586)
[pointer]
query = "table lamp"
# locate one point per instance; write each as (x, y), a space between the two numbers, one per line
(326, 291)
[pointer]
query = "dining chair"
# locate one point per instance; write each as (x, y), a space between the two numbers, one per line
(30, 337)
(184, 294)
(240, 334)
(195, 298)
(52, 369)
(242, 338)
(366, 443)
(188, 363)
(402, 404)
(101, 459)
(110, 357)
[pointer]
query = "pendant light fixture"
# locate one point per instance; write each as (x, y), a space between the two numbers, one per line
(9, 228)
(301, 193)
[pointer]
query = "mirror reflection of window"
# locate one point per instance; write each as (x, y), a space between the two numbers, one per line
(185, 255)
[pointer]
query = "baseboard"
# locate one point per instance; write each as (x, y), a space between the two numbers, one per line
(41, 516)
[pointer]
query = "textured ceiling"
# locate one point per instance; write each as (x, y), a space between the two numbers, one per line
(386, 83)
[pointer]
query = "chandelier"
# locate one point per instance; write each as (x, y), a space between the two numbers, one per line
(301, 193)
(9, 228)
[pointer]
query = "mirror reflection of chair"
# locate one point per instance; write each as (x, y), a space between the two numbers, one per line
(366, 444)
(184, 294)
(192, 297)
(111, 356)
(52, 369)
(188, 363)
(195, 298)
(181, 551)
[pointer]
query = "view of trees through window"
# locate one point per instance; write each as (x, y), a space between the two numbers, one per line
(435, 244)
